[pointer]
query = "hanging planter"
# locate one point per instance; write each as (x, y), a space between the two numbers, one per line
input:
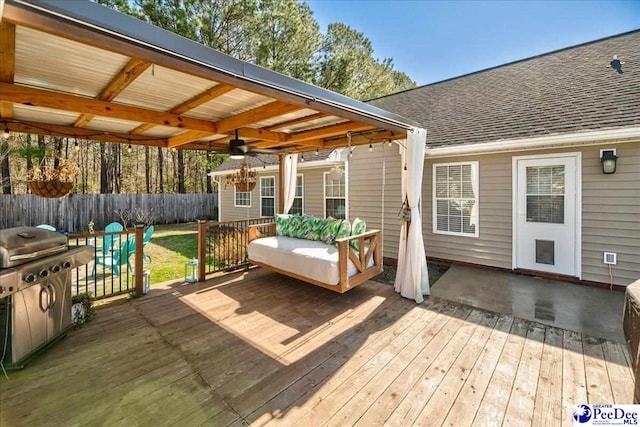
(50, 182)
(243, 179)
(51, 189)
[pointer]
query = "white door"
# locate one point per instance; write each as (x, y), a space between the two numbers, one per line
(545, 223)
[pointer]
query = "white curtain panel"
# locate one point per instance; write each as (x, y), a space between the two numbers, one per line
(290, 175)
(412, 277)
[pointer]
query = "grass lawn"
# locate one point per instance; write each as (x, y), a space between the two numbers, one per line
(170, 248)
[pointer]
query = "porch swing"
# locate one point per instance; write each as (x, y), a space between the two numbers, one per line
(339, 266)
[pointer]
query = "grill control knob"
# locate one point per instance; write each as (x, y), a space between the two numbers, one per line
(55, 268)
(43, 273)
(66, 264)
(30, 278)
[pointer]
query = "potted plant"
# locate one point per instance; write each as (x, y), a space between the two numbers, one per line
(82, 308)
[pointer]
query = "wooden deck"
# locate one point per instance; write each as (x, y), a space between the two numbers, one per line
(260, 348)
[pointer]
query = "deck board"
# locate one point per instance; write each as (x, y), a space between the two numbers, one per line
(262, 349)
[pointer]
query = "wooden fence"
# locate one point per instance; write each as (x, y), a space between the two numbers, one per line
(73, 213)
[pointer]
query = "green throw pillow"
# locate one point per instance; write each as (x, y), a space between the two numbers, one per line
(344, 230)
(312, 227)
(358, 227)
(282, 225)
(295, 227)
(329, 231)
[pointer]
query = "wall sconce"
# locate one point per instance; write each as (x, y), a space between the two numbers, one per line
(191, 271)
(608, 159)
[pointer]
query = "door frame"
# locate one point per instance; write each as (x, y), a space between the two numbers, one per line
(578, 208)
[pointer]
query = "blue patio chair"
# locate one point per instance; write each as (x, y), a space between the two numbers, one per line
(119, 257)
(109, 241)
(46, 227)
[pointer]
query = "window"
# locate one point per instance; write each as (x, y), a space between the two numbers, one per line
(298, 201)
(455, 198)
(241, 199)
(545, 194)
(335, 202)
(267, 196)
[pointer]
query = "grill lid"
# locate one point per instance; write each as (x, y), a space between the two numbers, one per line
(19, 245)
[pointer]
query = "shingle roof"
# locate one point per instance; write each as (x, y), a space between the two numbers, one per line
(260, 160)
(565, 91)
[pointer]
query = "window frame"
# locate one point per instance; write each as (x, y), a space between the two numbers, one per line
(475, 182)
(235, 198)
(268, 197)
(324, 195)
(301, 197)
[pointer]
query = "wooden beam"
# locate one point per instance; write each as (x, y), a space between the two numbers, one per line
(60, 101)
(241, 120)
(297, 121)
(329, 131)
(7, 62)
(316, 143)
(266, 135)
(185, 138)
(374, 138)
(190, 104)
(84, 133)
(131, 71)
(255, 115)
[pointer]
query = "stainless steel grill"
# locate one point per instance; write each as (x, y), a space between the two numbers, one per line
(35, 290)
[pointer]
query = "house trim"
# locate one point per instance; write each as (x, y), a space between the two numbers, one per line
(578, 206)
(612, 136)
(270, 168)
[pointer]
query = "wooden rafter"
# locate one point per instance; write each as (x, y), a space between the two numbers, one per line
(190, 104)
(310, 137)
(241, 120)
(297, 121)
(7, 62)
(131, 71)
(84, 133)
(60, 101)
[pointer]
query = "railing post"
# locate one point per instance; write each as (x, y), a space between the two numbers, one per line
(202, 249)
(138, 266)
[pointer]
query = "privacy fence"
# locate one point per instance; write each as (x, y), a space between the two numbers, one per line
(73, 213)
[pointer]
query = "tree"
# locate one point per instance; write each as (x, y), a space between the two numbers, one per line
(4, 167)
(346, 65)
(288, 38)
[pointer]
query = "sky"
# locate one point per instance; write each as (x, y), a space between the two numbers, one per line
(436, 40)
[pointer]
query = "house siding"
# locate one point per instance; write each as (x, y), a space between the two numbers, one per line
(313, 196)
(366, 193)
(610, 213)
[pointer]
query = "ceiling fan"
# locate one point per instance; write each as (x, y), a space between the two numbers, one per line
(238, 148)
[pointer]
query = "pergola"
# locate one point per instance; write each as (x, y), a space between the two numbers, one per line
(73, 68)
(76, 68)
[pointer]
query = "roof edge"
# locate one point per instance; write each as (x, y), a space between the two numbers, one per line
(620, 135)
